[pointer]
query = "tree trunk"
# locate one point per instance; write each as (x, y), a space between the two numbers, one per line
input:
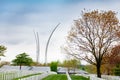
(98, 70)
(74, 70)
(20, 67)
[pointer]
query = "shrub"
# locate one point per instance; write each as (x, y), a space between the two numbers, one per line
(117, 70)
(53, 66)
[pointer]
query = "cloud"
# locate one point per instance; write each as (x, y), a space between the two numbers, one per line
(19, 19)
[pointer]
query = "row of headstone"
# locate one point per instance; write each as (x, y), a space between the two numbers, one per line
(108, 77)
(9, 75)
(104, 77)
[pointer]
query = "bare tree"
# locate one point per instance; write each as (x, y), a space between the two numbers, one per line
(92, 35)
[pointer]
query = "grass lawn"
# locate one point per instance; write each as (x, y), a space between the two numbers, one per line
(73, 77)
(56, 77)
(27, 76)
(64, 77)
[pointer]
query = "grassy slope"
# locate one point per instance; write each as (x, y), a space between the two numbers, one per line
(64, 77)
(73, 77)
(56, 77)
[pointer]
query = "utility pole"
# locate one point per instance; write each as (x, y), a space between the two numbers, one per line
(48, 43)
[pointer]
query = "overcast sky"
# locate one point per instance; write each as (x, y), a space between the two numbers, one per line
(18, 19)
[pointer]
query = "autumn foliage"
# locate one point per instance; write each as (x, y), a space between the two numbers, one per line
(92, 35)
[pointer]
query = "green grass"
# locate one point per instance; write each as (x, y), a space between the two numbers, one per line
(73, 77)
(56, 77)
(27, 76)
(64, 77)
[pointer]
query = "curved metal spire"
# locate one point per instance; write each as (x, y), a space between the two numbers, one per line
(37, 46)
(48, 42)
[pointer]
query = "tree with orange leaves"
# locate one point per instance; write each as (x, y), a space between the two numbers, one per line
(111, 59)
(92, 35)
